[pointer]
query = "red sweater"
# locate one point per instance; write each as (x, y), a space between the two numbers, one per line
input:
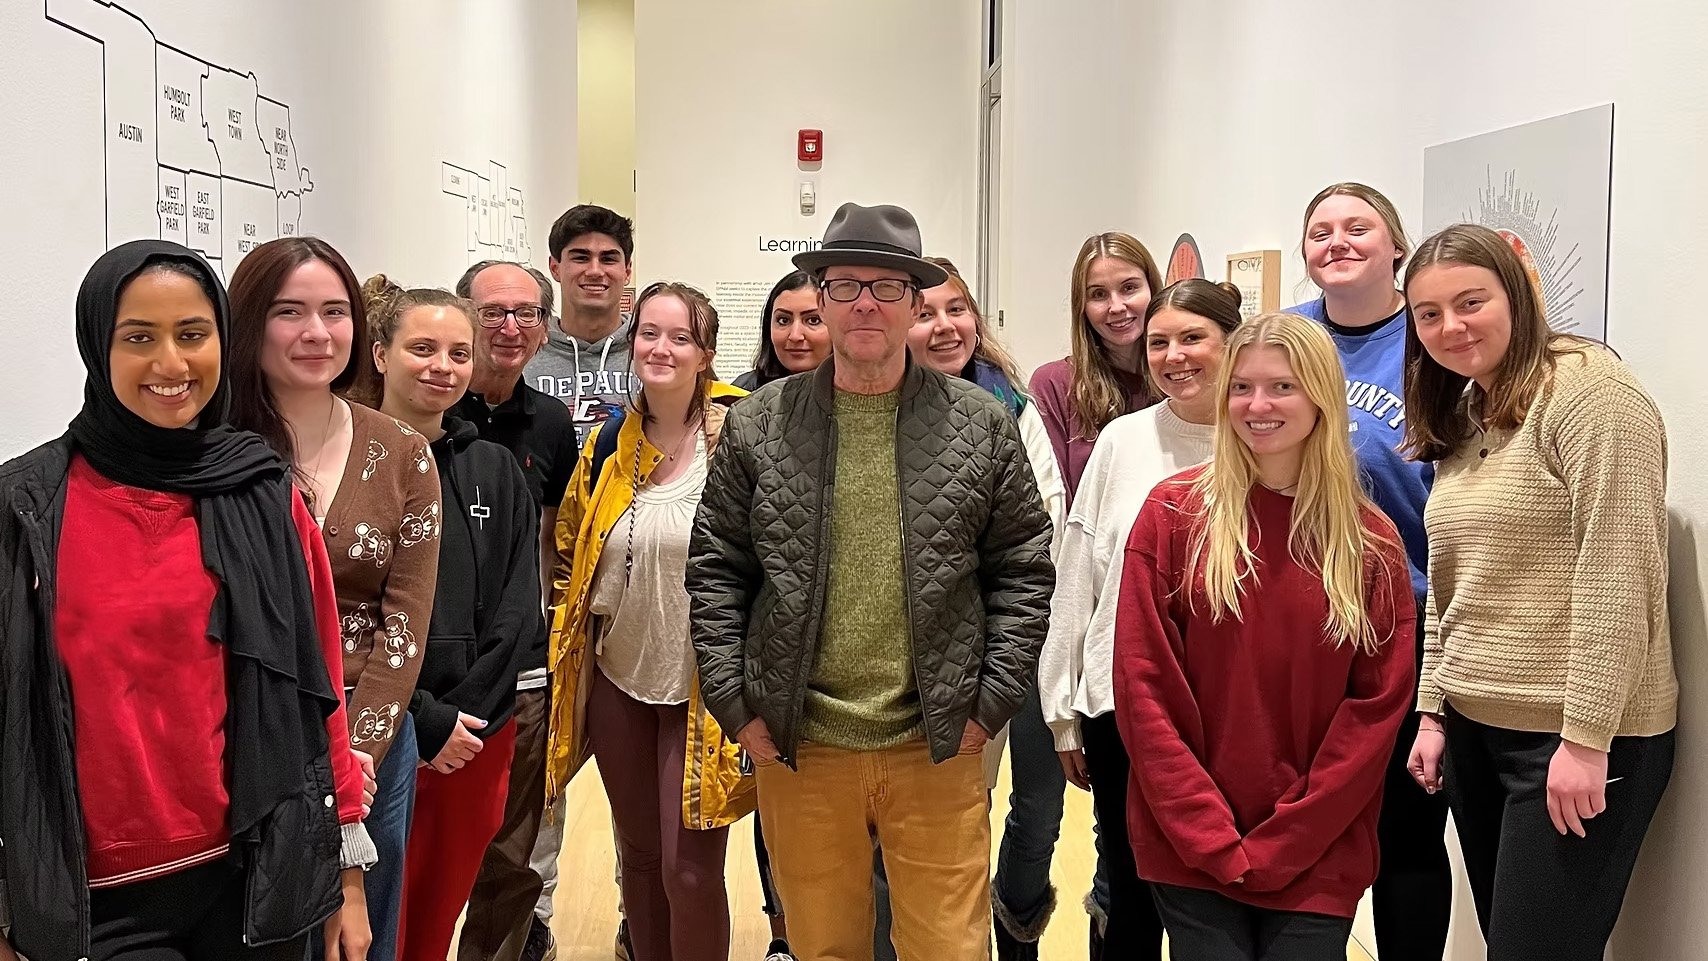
(147, 683)
(1258, 746)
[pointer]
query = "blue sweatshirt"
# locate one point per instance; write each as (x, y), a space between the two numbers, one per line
(1375, 401)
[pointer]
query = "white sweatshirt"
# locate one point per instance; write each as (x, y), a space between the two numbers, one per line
(1132, 454)
(1043, 459)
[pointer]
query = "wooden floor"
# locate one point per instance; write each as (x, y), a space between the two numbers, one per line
(585, 919)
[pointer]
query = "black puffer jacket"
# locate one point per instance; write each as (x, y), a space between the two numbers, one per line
(978, 571)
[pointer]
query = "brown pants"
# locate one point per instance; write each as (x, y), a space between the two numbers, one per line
(933, 822)
(501, 908)
(672, 875)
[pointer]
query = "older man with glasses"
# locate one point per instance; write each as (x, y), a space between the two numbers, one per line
(863, 664)
(514, 303)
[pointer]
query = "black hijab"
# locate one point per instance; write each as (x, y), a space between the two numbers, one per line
(278, 689)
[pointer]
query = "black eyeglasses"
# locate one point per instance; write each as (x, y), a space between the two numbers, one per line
(847, 290)
(526, 316)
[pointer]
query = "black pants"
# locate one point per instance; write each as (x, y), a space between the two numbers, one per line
(1207, 926)
(1541, 894)
(1413, 894)
(767, 886)
(1135, 931)
(191, 915)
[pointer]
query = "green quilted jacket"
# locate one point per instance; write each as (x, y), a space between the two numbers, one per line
(978, 571)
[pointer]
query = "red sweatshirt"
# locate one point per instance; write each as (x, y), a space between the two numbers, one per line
(1258, 746)
(148, 684)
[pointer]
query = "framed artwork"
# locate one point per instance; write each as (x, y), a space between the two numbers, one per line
(1547, 188)
(1257, 274)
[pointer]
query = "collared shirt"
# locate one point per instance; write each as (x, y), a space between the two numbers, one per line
(539, 435)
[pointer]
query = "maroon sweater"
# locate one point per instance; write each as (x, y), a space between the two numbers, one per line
(1052, 389)
(148, 684)
(1258, 746)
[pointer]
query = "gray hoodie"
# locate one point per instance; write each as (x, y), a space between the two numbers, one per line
(592, 378)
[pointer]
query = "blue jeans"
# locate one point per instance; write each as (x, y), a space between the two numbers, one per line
(1022, 883)
(388, 824)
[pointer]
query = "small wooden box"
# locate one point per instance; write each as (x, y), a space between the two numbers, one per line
(1257, 274)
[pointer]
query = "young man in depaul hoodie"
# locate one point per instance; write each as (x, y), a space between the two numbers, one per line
(585, 362)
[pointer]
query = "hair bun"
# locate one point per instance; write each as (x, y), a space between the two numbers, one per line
(1231, 291)
(379, 294)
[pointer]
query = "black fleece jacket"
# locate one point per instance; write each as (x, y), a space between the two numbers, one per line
(486, 609)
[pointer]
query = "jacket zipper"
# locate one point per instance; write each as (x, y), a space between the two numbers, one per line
(906, 588)
(254, 846)
(38, 552)
(809, 650)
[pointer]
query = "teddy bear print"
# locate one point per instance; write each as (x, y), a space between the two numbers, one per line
(354, 626)
(372, 544)
(376, 453)
(423, 460)
(417, 528)
(399, 640)
(376, 724)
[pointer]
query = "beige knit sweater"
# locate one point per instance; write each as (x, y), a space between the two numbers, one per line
(1548, 565)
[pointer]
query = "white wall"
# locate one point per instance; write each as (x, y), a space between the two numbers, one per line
(381, 94)
(1223, 117)
(1073, 137)
(722, 88)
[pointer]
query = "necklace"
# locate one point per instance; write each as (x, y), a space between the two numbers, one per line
(1285, 490)
(690, 432)
(314, 475)
(629, 550)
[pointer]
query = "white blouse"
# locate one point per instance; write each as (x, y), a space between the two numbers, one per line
(644, 647)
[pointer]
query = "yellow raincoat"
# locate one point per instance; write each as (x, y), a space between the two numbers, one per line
(715, 793)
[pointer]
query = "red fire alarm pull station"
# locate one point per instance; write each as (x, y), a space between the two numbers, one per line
(810, 147)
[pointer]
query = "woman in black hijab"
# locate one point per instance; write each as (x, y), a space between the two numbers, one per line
(171, 790)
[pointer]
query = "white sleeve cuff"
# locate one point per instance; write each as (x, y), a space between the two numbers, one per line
(1067, 735)
(358, 850)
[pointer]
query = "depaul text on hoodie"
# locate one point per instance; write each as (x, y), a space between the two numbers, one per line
(591, 377)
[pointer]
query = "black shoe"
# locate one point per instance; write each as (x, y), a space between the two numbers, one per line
(778, 951)
(539, 946)
(625, 947)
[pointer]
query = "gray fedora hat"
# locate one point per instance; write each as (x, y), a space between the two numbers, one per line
(883, 236)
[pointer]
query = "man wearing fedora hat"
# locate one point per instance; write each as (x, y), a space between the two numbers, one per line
(870, 582)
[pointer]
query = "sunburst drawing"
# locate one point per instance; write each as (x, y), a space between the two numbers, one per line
(1546, 187)
(1518, 216)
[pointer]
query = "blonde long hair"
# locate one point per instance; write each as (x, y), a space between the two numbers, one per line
(1096, 395)
(1327, 532)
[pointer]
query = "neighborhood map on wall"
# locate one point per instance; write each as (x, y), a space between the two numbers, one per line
(496, 223)
(195, 153)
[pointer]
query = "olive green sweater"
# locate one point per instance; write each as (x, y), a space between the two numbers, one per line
(862, 696)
